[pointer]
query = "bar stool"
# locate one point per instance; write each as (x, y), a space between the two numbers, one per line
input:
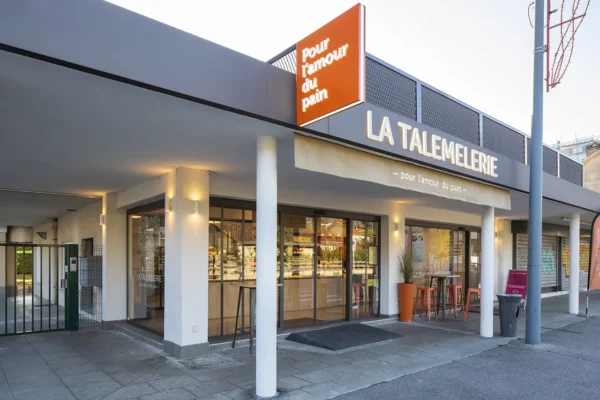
(453, 293)
(430, 292)
(470, 292)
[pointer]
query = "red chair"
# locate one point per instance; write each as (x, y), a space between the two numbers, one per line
(430, 292)
(454, 291)
(470, 292)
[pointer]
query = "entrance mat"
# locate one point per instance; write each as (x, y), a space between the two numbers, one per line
(343, 336)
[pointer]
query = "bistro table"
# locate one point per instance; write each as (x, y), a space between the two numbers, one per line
(252, 328)
(441, 293)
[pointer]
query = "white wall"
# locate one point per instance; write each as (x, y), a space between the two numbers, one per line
(21, 234)
(152, 189)
(81, 224)
(114, 260)
(73, 227)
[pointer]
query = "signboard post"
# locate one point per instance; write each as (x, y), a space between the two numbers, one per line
(517, 283)
(330, 68)
(594, 266)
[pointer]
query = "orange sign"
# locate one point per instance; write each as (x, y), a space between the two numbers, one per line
(594, 270)
(330, 68)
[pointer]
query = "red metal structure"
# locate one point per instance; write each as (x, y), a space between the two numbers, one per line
(571, 18)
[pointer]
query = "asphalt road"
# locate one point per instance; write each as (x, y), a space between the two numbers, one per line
(565, 366)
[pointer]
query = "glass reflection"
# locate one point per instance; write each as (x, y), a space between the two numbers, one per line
(147, 270)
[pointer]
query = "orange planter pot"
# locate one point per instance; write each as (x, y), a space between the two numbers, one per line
(406, 298)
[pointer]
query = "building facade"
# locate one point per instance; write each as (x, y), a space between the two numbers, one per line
(576, 149)
(182, 159)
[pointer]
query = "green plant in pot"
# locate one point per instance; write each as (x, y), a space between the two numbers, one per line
(406, 289)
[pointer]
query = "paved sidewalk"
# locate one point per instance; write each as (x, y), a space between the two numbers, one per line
(564, 366)
(109, 365)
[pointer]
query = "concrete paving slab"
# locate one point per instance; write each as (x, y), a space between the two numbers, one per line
(86, 379)
(47, 393)
(131, 392)
(208, 388)
(95, 391)
(173, 394)
(173, 382)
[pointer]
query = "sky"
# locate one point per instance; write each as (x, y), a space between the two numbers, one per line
(478, 51)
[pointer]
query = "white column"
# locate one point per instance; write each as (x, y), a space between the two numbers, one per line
(392, 244)
(504, 254)
(114, 262)
(574, 264)
(266, 267)
(486, 323)
(186, 263)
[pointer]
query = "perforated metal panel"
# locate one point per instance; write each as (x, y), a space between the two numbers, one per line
(390, 90)
(503, 140)
(287, 62)
(445, 114)
(571, 170)
(550, 161)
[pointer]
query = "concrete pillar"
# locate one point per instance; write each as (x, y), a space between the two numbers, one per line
(486, 326)
(504, 254)
(114, 262)
(574, 264)
(392, 244)
(186, 263)
(266, 267)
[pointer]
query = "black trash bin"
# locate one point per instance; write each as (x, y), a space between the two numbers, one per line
(509, 312)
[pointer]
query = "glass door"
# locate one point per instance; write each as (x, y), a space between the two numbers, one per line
(331, 269)
(365, 269)
(474, 259)
(147, 269)
(298, 269)
(458, 255)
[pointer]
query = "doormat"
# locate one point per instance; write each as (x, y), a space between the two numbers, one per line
(343, 336)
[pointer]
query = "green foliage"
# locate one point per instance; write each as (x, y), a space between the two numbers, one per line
(406, 267)
(24, 260)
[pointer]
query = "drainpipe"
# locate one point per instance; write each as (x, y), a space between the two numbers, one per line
(55, 231)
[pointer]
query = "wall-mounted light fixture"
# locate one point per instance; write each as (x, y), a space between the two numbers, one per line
(102, 219)
(169, 205)
(496, 234)
(396, 226)
(196, 206)
(43, 235)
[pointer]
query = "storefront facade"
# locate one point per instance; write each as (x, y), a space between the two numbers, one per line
(555, 255)
(229, 190)
(328, 267)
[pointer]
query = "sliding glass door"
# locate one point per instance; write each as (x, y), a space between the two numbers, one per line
(365, 269)
(298, 269)
(331, 269)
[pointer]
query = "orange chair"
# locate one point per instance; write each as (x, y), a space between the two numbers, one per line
(453, 294)
(430, 292)
(470, 292)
